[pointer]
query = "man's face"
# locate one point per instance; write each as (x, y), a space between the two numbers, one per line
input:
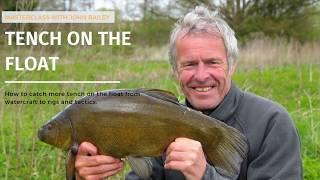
(202, 70)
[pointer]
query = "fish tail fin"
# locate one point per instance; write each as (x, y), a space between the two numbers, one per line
(70, 164)
(228, 155)
(141, 166)
(70, 170)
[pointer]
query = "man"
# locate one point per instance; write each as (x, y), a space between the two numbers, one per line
(203, 51)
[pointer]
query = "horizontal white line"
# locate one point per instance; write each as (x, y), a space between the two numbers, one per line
(62, 82)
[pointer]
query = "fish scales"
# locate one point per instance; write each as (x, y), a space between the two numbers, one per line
(144, 125)
(135, 118)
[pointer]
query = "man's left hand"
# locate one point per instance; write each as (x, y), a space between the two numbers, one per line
(186, 155)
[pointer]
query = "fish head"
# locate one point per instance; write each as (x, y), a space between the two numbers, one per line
(57, 132)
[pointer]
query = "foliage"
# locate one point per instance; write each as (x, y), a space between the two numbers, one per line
(286, 18)
(150, 31)
(22, 5)
(8, 5)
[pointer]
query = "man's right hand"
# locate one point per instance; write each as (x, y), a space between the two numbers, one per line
(90, 165)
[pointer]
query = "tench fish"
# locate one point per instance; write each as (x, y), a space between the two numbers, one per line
(141, 123)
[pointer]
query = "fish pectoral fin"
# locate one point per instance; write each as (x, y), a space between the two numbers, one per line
(141, 166)
(228, 154)
(162, 94)
(70, 170)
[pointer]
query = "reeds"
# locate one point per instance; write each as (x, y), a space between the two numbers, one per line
(265, 52)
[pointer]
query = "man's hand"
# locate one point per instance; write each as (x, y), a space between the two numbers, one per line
(90, 165)
(187, 156)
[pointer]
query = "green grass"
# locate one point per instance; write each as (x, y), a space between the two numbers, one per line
(298, 89)
(23, 156)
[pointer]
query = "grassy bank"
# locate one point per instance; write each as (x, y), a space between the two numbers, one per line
(22, 156)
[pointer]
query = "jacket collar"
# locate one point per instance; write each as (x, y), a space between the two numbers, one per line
(226, 109)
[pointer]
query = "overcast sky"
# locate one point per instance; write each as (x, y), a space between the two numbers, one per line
(121, 5)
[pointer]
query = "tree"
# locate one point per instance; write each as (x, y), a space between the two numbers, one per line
(19, 5)
(7, 5)
(66, 5)
(289, 18)
(49, 5)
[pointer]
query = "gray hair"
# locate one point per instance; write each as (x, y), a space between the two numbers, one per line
(201, 20)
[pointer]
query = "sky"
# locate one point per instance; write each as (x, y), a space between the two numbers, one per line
(107, 4)
(121, 5)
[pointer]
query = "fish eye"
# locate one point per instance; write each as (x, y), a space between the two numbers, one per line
(50, 127)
